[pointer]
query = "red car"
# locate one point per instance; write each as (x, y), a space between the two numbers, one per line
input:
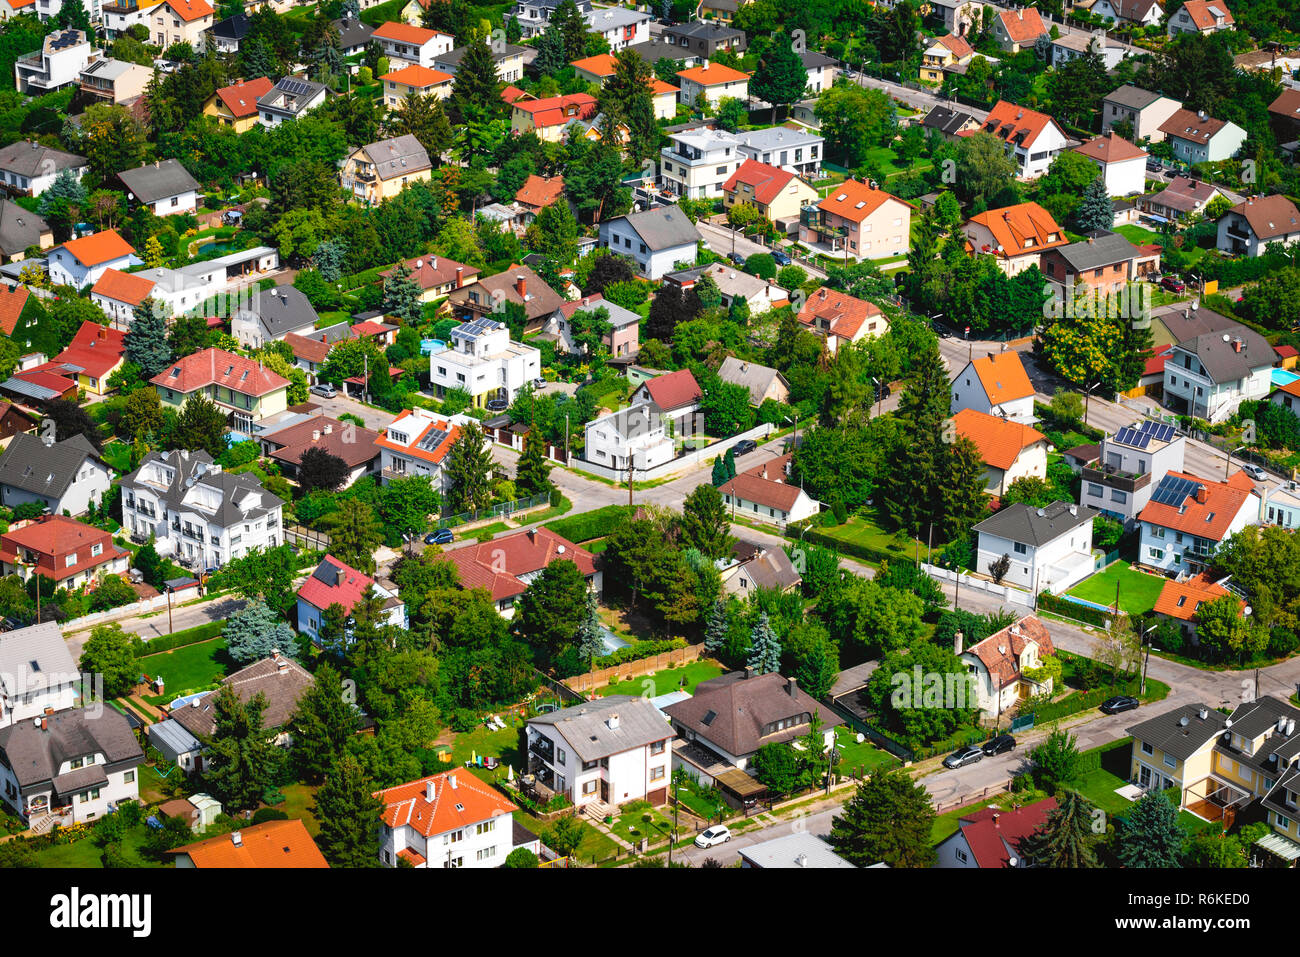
(1173, 284)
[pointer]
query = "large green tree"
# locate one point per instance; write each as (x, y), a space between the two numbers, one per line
(1065, 839)
(200, 425)
(780, 77)
(349, 816)
(256, 630)
(1149, 835)
(469, 471)
(888, 820)
(322, 725)
(704, 523)
(550, 612)
(146, 340)
(242, 760)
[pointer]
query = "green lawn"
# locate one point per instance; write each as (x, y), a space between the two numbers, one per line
(946, 825)
(118, 456)
(190, 668)
(1137, 234)
(669, 679)
(866, 533)
(595, 842)
(1099, 786)
(1137, 590)
(84, 853)
(502, 745)
(631, 826)
(864, 757)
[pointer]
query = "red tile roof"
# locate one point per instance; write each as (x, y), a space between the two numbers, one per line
(496, 565)
(1000, 652)
(1013, 226)
(767, 492)
(989, 831)
(1181, 600)
(1207, 512)
(765, 180)
(241, 98)
(130, 288)
(842, 314)
(674, 390)
(418, 77)
(1156, 364)
(1199, 11)
(442, 802)
(959, 47)
(405, 33)
(1110, 148)
(1017, 124)
(712, 74)
(430, 272)
(54, 538)
(435, 455)
(856, 201)
(558, 110)
(12, 300)
(191, 10)
(310, 350)
(1003, 377)
(218, 367)
(95, 348)
(99, 248)
(1000, 441)
(269, 844)
(1270, 217)
(1022, 26)
(540, 191)
(602, 64)
(347, 591)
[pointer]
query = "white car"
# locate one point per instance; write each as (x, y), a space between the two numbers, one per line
(1255, 472)
(718, 834)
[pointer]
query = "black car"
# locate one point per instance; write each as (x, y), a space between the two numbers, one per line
(882, 391)
(744, 446)
(999, 745)
(1121, 702)
(943, 331)
(736, 258)
(963, 756)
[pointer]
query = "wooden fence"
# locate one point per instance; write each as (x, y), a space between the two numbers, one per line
(584, 684)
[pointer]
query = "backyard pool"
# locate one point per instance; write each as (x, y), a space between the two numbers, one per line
(1282, 377)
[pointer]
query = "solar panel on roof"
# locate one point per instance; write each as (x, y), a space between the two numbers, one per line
(432, 439)
(327, 573)
(294, 86)
(1132, 437)
(1159, 431)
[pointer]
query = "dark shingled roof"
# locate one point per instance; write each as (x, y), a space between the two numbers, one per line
(35, 754)
(1023, 523)
(31, 465)
(160, 180)
(282, 688)
(1168, 732)
(731, 711)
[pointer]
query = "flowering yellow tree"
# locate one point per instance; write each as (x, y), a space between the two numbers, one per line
(1082, 349)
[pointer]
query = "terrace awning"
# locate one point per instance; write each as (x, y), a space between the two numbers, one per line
(1283, 847)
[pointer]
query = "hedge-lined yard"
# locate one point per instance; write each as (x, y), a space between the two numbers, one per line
(589, 525)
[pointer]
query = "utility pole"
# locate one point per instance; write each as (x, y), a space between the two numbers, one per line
(1142, 689)
(169, 610)
(630, 469)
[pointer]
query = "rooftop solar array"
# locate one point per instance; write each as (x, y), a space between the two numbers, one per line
(477, 327)
(294, 87)
(432, 439)
(69, 38)
(1173, 490)
(327, 573)
(1141, 435)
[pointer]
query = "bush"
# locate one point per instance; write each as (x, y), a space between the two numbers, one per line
(1282, 641)
(264, 814)
(589, 525)
(189, 636)
(1022, 782)
(463, 719)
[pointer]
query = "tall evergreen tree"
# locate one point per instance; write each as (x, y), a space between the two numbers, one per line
(704, 523)
(589, 639)
(146, 339)
(349, 816)
(322, 724)
(73, 16)
(1064, 840)
(1149, 835)
(402, 295)
(914, 489)
(550, 52)
(424, 118)
(963, 492)
(533, 471)
(887, 820)
(242, 761)
(572, 26)
(764, 648)
(469, 471)
(625, 99)
(66, 187)
(475, 100)
(1095, 211)
(255, 631)
(715, 629)
(200, 425)
(780, 77)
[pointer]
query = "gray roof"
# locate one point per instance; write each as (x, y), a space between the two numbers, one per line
(31, 465)
(1036, 526)
(777, 137)
(163, 179)
(281, 680)
(704, 30)
(34, 657)
(19, 228)
(663, 227)
(29, 159)
(1276, 796)
(586, 726)
(766, 567)
(654, 48)
(397, 157)
(232, 28)
(1253, 718)
(811, 59)
(353, 33)
(174, 737)
(282, 310)
(608, 18)
(732, 711)
(1168, 732)
(35, 754)
(1100, 249)
(754, 377)
(195, 468)
(800, 849)
(947, 121)
(1133, 97)
(1219, 354)
(291, 95)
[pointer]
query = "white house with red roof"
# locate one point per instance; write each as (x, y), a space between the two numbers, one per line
(712, 81)
(94, 354)
(415, 45)
(417, 443)
(1015, 236)
(1189, 517)
(635, 437)
(765, 494)
(673, 395)
(1031, 138)
(1122, 164)
(450, 819)
(996, 385)
(841, 319)
(776, 193)
(243, 387)
(1003, 665)
(991, 836)
(68, 552)
(1200, 16)
(866, 221)
(335, 583)
(1016, 30)
(80, 262)
(504, 566)
(180, 21)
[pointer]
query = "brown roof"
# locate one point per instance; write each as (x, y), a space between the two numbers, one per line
(842, 315)
(1185, 194)
(269, 844)
(12, 300)
(1000, 652)
(1188, 125)
(431, 272)
(282, 680)
(312, 350)
(959, 47)
(540, 191)
(1022, 26)
(1201, 13)
(350, 442)
(1000, 441)
(538, 299)
(766, 492)
(1287, 104)
(1110, 148)
(1270, 216)
(743, 707)
(496, 565)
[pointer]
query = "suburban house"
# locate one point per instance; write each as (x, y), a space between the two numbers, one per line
(310, 352)
(1031, 138)
(941, 53)
(763, 493)
(1145, 111)
(504, 566)
(416, 80)
(37, 673)
(482, 360)
(996, 385)
(416, 443)
(1284, 114)
(1188, 518)
(621, 340)
(14, 421)
(29, 169)
(1200, 138)
(1180, 200)
(269, 844)
(69, 767)
(959, 16)
(1200, 16)
(949, 123)
(58, 63)
(1142, 13)
(656, 240)
(537, 193)
(180, 21)
(1248, 228)
(450, 819)
(355, 445)
(242, 387)
(1129, 465)
(858, 219)
(1102, 264)
(762, 382)
(183, 290)
(1016, 30)
(703, 39)
(235, 106)
(354, 35)
(165, 186)
(67, 476)
(1009, 450)
(550, 118)
(199, 514)
(756, 566)
(518, 284)
(712, 81)
(120, 15)
(793, 850)
(1013, 235)
(673, 395)
(334, 582)
(227, 34)
(534, 15)
(1180, 600)
(1050, 549)
(290, 98)
(790, 148)
(114, 81)
(1280, 506)
(437, 276)
(697, 163)
(1071, 46)
(403, 43)
(1004, 666)
(80, 262)
(1214, 365)
(635, 437)
(1123, 165)
(619, 26)
(776, 193)
(760, 294)
(64, 550)
(381, 170)
(991, 836)
(607, 752)
(509, 58)
(841, 319)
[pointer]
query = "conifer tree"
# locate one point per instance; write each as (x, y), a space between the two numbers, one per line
(146, 339)
(780, 77)
(1095, 211)
(1064, 839)
(402, 295)
(349, 816)
(715, 629)
(322, 725)
(533, 471)
(590, 640)
(764, 648)
(888, 820)
(242, 760)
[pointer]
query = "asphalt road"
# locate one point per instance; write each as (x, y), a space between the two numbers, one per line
(722, 241)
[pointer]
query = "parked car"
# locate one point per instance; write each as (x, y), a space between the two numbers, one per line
(882, 391)
(780, 258)
(943, 331)
(963, 756)
(539, 383)
(718, 834)
(744, 447)
(1173, 284)
(1255, 472)
(324, 390)
(999, 745)
(736, 258)
(1121, 702)
(442, 536)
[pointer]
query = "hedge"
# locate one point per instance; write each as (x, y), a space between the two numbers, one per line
(855, 549)
(177, 639)
(1061, 606)
(639, 650)
(1084, 700)
(589, 525)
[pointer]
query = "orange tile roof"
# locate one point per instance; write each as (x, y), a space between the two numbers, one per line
(1023, 26)
(442, 802)
(1199, 11)
(842, 314)
(1000, 652)
(95, 349)
(269, 844)
(1003, 377)
(1207, 512)
(130, 288)
(1181, 600)
(418, 77)
(856, 201)
(1015, 124)
(1000, 441)
(190, 10)
(437, 455)
(217, 367)
(1013, 226)
(602, 64)
(12, 300)
(765, 180)
(53, 539)
(1110, 148)
(99, 248)
(496, 565)
(558, 110)
(241, 97)
(958, 47)
(405, 33)
(540, 191)
(658, 86)
(713, 74)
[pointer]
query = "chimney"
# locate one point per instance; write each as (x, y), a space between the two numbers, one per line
(749, 672)
(1203, 713)
(459, 271)
(521, 286)
(1090, 240)
(451, 780)
(1201, 494)
(236, 838)
(532, 534)
(315, 435)
(995, 819)
(44, 724)
(613, 721)
(328, 430)
(792, 687)
(430, 791)
(957, 639)
(706, 65)
(1236, 345)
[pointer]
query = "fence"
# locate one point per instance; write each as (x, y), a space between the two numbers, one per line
(562, 690)
(309, 537)
(876, 736)
(1005, 592)
(581, 684)
(494, 511)
(679, 464)
(1022, 722)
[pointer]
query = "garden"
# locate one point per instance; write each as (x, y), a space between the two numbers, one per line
(1137, 591)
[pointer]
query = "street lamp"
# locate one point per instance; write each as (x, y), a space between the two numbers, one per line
(1228, 464)
(1087, 396)
(1142, 689)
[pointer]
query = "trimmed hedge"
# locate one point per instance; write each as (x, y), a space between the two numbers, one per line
(1090, 616)
(589, 525)
(853, 549)
(178, 639)
(639, 650)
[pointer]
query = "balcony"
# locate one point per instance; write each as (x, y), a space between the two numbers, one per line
(542, 748)
(1112, 477)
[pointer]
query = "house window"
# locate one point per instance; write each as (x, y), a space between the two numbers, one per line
(657, 747)
(563, 756)
(1170, 762)
(1020, 548)
(485, 827)
(589, 787)
(961, 855)
(1147, 749)
(128, 777)
(657, 774)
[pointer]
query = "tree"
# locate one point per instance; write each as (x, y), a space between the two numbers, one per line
(704, 523)
(405, 504)
(716, 628)
(149, 564)
(732, 113)
(853, 120)
(888, 820)
(1225, 632)
(319, 469)
(570, 24)
(242, 760)
(1056, 760)
(564, 836)
(1064, 840)
(201, 425)
(265, 574)
(764, 648)
(983, 169)
(1149, 835)
(322, 725)
(146, 339)
(469, 471)
(255, 631)
(625, 100)
(1000, 568)
(349, 815)
(355, 533)
(780, 77)
(777, 766)
(72, 15)
(402, 294)
(532, 472)
(551, 610)
(189, 334)
(111, 652)
(589, 639)
(475, 102)
(554, 233)
(1096, 210)
(520, 857)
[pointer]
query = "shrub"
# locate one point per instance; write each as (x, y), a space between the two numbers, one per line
(263, 814)
(1022, 782)
(463, 719)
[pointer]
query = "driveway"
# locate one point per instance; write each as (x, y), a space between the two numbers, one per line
(375, 419)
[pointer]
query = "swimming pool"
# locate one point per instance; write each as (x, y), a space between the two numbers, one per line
(1283, 376)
